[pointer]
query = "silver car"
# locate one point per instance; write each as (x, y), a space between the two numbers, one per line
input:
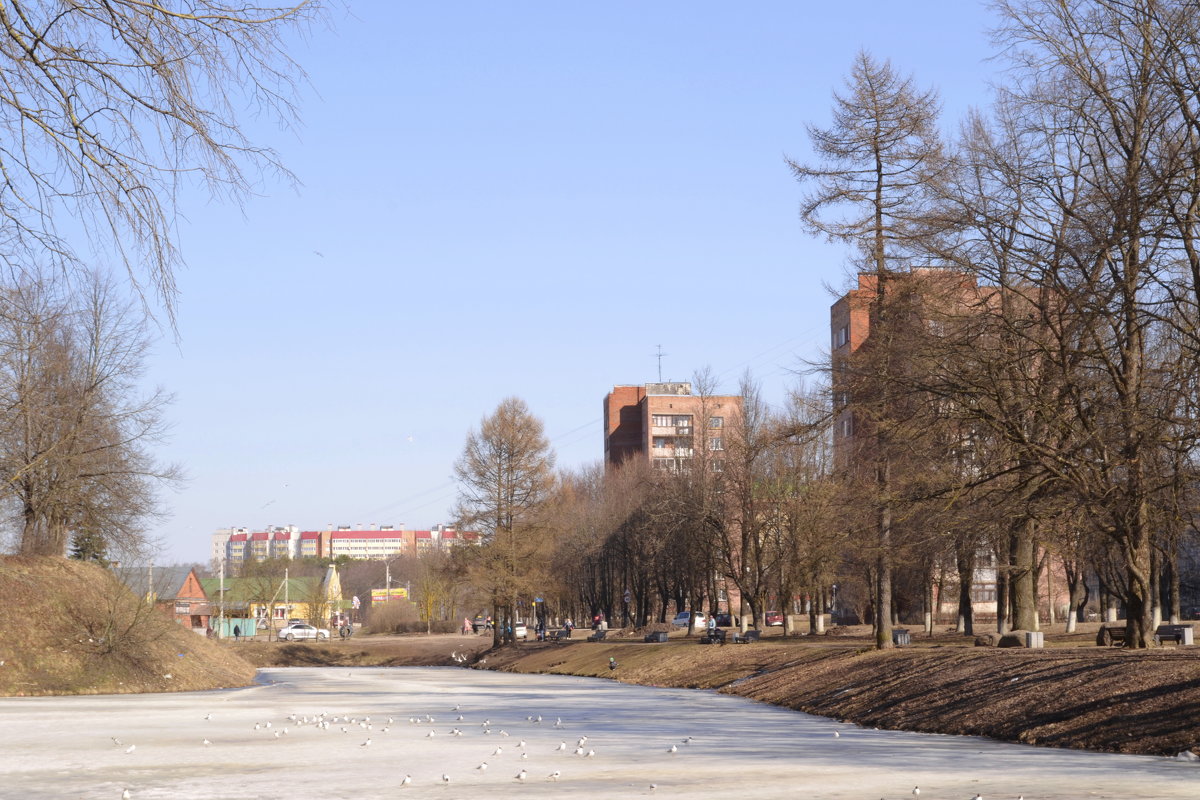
(302, 631)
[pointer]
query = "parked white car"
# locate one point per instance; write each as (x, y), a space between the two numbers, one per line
(684, 618)
(301, 631)
(520, 631)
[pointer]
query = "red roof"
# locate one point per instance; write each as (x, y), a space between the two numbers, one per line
(368, 534)
(309, 535)
(238, 537)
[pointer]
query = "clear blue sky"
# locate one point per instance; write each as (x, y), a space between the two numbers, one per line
(511, 199)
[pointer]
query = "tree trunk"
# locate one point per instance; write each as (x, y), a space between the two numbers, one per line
(1023, 586)
(965, 562)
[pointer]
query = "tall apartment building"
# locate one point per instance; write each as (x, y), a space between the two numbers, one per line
(664, 423)
(938, 292)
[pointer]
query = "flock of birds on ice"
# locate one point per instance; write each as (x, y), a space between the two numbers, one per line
(504, 751)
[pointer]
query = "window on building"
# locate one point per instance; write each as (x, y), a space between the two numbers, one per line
(717, 465)
(715, 443)
(842, 336)
(716, 422)
(847, 426)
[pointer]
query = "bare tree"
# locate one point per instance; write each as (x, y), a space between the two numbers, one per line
(110, 107)
(505, 473)
(878, 159)
(74, 432)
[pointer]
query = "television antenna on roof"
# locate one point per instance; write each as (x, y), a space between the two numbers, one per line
(660, 355)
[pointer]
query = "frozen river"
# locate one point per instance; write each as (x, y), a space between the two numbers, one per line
(304, 733)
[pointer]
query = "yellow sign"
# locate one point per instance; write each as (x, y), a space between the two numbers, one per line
(383, 595)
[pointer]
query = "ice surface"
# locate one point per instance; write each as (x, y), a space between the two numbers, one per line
(63, 747)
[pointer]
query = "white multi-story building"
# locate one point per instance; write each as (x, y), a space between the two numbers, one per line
(237, 545)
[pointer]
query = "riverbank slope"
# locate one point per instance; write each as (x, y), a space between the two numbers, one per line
(69, 627)
(1082, 697)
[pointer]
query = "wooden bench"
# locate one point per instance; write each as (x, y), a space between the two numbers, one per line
(597, 636)
(558, 636)
(1180, 634)
(713, 636)
(747, 637)
(1112, 633)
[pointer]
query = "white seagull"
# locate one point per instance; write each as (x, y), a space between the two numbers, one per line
(482, 767)
(131, 748)
(520, 775)
(553, 776)
(407, 781)
(561, 746)
(125, 795)
(672, 749)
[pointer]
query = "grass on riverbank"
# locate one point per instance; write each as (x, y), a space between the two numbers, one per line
(67, 627)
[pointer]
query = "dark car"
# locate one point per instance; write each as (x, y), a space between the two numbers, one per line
(773, 618)
(725, 620)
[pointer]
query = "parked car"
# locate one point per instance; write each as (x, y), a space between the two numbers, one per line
(302, 631)
(520, 631)
(684, 618)
(773, 618)
(726, 620)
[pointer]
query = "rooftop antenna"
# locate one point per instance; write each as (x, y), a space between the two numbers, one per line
(660, 355)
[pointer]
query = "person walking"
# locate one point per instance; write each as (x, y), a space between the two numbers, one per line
(237, 633)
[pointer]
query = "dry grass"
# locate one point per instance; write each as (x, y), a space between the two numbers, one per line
(68, 627)
(1072, 694)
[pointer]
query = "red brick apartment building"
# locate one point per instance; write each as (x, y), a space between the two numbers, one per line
(663, 423)
(942, 291)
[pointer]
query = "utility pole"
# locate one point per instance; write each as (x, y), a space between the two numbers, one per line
(221, 602)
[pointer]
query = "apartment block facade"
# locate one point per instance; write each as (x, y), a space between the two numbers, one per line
(664, 424)
(236, 546)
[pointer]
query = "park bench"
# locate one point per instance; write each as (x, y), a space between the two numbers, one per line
(747, 637)
(558, 636)
(1112, 633)
(713, 636)
(901, 637)
(1180, 634)
(597, 636)
(656, 636)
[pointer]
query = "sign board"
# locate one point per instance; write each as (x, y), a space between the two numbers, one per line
(379, 596)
